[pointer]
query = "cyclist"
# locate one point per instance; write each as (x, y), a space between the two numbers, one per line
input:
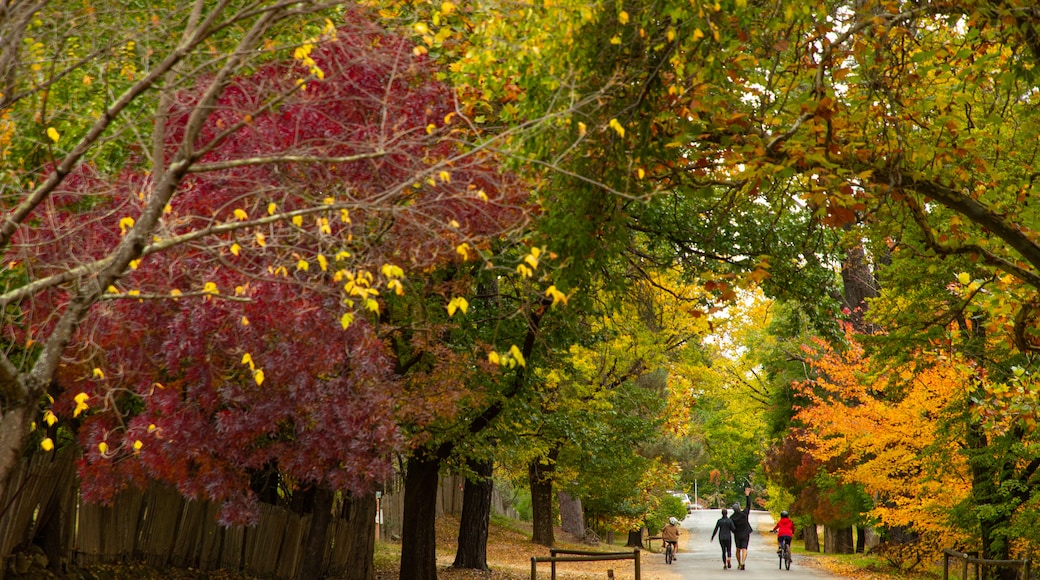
(670, 535)
(785, 531)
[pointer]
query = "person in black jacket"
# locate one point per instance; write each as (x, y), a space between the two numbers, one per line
(742, 529)
(724, 528)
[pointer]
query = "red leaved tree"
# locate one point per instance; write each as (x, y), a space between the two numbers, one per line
(240, 331)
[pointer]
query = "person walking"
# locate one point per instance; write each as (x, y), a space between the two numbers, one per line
(724, 528)
(742, 528)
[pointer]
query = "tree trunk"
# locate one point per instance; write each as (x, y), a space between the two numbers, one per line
(418, 531)
(859, 285)
(811, 538)
(360, 512)
(838, 540)
(861, 539)
(313, 561)
(635, 538)
(540, 477)
(476, 515)
(572, 518)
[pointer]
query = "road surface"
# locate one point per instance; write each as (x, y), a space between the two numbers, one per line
(702, 559)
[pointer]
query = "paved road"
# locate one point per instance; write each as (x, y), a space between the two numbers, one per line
(701, 559)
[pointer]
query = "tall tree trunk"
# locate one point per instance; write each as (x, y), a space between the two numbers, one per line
(476, 515)
(635, 538)
(360, 512)
(313, 562)
(861, 539)
(859, 285)
(838, 540)
(572, 518)
(540, 473)
(811, 538)
(418, 533)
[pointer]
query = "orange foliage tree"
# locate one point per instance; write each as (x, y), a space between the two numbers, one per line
(888, 432)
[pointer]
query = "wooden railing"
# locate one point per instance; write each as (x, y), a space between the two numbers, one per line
(580, 556)
(980, 563)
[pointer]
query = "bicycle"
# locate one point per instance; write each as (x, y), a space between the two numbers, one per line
(669, 552)
(785, 555)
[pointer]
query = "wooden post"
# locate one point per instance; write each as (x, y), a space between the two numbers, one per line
(534, 568)
(637, 554)
(946, 566)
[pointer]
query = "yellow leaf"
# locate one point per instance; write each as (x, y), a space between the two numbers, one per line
(623, 17)
(247, 359)
(47, 444)
(346, 319)
(430, 129)
(271, 208)
(241, 214)
(323, 263)
(457, 303)
(175, 292)
(134, 264)
(258, 376)
(445, 176)
(297, 220)
(53, 134)
(482, 195)
(103, 447)
(582, 129)
(557, 296)
(245, 321)
(517, 355)
(210, 288)
(260, 239)
(964, 278)
(235, 249)
(303, 265)
(641, 173)
(615, 39)
(152, 427)
(81, 398)
(138, 445)
(328, 201)
(447, 7)
(463, 250)
(49, 417)
(372, 305)
(616, 126)
(454, 224)
(697, 34)
(125, 224)
(494, 358)
(99, 374)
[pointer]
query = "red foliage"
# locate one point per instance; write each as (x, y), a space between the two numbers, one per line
(175, 379)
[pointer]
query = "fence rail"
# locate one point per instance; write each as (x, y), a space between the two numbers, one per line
(582, 556)
(981, 563)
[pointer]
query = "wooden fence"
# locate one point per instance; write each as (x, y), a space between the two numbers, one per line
(162, 528)
(979, 565)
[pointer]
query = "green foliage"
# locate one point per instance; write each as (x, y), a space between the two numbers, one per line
(669, 507)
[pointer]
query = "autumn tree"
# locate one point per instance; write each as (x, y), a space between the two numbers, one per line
(260, 217)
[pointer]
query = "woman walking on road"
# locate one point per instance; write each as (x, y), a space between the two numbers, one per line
(742, 529)
(724, 528)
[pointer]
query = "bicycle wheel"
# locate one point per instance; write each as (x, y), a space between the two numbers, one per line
(787, 558)
(668, 554)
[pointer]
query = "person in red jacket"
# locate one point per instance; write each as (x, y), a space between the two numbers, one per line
(784, 529)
